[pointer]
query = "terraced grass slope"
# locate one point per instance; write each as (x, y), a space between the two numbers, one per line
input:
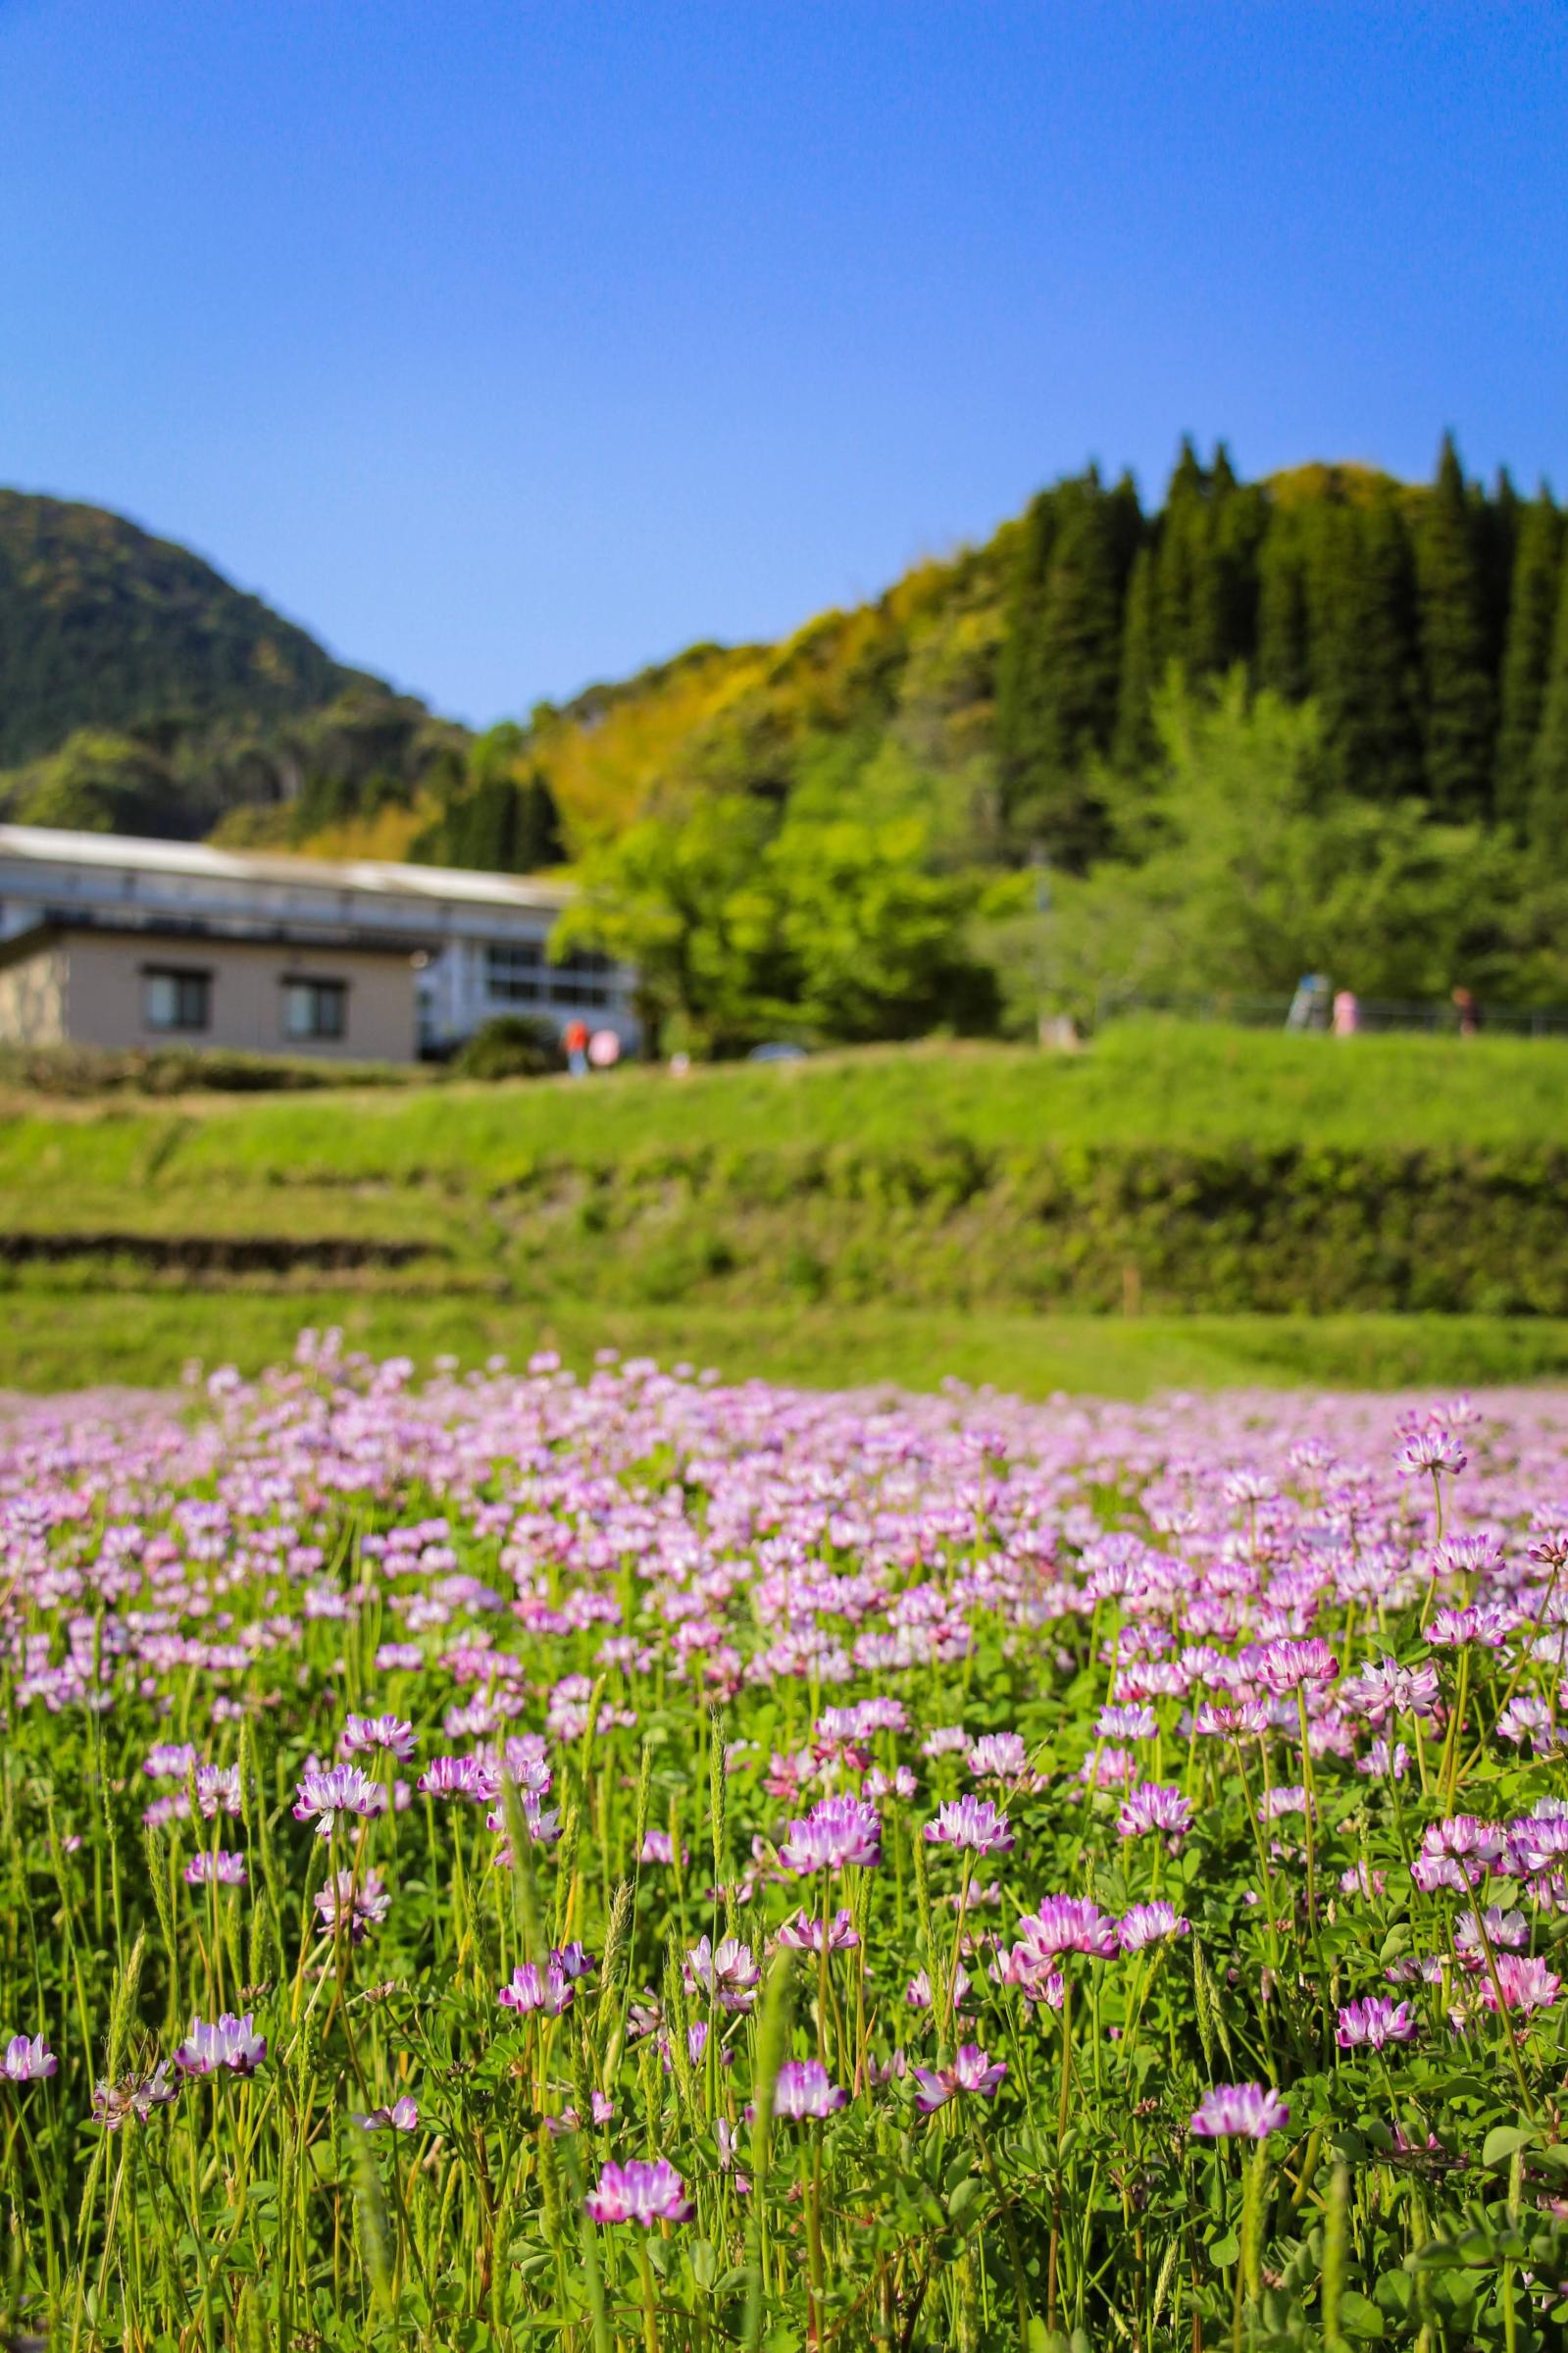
(1170, 1171)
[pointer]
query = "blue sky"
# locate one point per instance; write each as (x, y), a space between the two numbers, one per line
(513, 345)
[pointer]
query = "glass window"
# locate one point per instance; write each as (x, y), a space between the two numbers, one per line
(315, 1008)
(172, 999)
(512, 974)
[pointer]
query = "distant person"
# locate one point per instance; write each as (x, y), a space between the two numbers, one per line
(1346, 1013)
(575, 1039)
(1469, 1012)
(604, 1050)
(1309, 1004)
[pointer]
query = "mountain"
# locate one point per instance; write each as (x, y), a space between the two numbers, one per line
(141, 693)
(103, 625)
(1008, 689)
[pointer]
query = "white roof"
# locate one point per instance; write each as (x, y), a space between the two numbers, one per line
(53, 845)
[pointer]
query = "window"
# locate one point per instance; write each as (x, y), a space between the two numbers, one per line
(173, 999)
(512, 974)
(315, 1008)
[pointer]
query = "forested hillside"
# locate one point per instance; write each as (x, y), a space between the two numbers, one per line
(103, 625)
(1319, 721)
(1428, 623)
(140, 692)
(1315, 721)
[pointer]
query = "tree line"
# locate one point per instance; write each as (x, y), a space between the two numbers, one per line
(1429, 626)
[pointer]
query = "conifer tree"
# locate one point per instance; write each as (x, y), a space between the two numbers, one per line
(1285, 629)
(1526, 656)
(1134, 742)
(1497, 522)
(1225, 615)
(1022, 689)
(1058, 714)
(1549, 800)
(1365, 661)
(1180, 549)
(1460, 705)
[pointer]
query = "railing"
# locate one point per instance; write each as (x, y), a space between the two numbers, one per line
(1373, 1014)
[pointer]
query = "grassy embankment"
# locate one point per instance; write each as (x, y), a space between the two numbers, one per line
(1394, 1205)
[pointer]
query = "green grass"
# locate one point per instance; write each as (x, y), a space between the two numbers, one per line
(58, 1340)
(1143, 1082)
(888, 1215)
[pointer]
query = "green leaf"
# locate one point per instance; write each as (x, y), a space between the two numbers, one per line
(1359, 2317)
(1223, 2252)
(964, 2198)
(1502, 2141)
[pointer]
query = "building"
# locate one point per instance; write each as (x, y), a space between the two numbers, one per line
(110, 942)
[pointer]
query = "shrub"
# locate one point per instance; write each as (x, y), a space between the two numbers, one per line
(514, 1045)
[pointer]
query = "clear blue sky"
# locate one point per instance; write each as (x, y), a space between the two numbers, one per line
(510, 345)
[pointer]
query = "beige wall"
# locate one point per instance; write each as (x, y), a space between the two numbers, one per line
(33, 1000)
(104, 995)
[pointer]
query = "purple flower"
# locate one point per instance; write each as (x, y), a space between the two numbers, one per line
(802, 2089)
(27, 2061)
(217, 1789)
(136, 2096)
(569, 2119)
(728, 1974)
(838, 1831)
(363, 1733)
(219, 1869)
(1432, 1449)
(1508, 1931)
(971, 1822)
(803, 1933)
(532, 1988)
(999, 1756)
(230, 2043)
(1372, 2022)
(170, 1760)
(1240, 2111)
(1457, 1853)
(1068, 1924)
(572, 1960)
(340, 1789)
(638, 2192)
(918, 1994)
(1389, 1689)
(1151, 1924)
(659, 1847)
(360, 1907)
(460, 1777)
(1524, 1985)
(403, 2116)
(1136, 1722)
(972, 2071)
(1155, 1806)
(1286, 1667)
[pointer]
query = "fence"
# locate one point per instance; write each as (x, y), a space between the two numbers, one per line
(1375, 1013)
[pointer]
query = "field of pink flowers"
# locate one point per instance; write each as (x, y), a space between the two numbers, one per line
(524, 1862)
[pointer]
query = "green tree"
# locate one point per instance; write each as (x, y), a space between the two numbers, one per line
(1549, 797)
(1460, 708)
(1056, 707)
(1283, 664)
(877, 941)
(100, 782)
(1263, 870)
(684, 897)
(1132, 744)
(1365, 662)
(1526, 656)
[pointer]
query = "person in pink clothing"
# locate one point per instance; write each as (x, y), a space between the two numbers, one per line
(1346, 1013)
